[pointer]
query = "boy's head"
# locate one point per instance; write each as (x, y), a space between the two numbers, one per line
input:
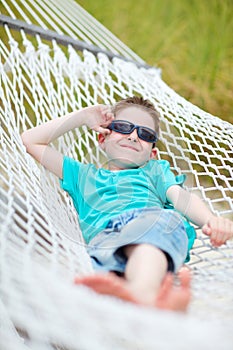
(131, 149)
(141, 103)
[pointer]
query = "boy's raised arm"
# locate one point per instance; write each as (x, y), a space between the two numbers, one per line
(37, 140)
(191, 206)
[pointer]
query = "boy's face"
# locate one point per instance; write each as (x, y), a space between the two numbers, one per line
(127, 151)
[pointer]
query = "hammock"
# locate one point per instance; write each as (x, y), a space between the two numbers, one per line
(56, 58)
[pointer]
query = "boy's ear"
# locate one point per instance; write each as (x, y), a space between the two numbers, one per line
(101, 139)
(154, 152)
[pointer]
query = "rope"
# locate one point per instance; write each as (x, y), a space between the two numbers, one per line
(41, 246)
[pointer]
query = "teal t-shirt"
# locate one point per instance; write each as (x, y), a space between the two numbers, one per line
(100, 195)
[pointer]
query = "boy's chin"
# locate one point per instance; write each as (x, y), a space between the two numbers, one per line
(125, 164)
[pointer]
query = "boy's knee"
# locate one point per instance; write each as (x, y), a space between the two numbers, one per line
(143, 248)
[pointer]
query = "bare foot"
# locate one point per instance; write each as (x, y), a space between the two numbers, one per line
(107, 284)
(169, 297)
(176, 298)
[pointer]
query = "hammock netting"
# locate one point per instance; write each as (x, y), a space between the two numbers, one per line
(41, 247)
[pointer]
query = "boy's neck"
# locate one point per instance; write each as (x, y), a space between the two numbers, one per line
(114, 167)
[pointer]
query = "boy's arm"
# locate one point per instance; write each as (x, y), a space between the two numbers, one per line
(192, 207)
(37, 140)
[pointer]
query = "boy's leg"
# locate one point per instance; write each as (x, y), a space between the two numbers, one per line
(147, 278)
(146, 281)
(145, 270)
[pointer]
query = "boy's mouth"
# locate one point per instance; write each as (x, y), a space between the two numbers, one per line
(130, 147)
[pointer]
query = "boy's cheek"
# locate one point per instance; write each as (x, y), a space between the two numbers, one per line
(113, 137)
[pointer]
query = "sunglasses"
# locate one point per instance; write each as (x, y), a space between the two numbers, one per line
(125, 127)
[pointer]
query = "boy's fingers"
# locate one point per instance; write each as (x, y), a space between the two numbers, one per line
(224, 233)
(215, 230)
(109, 115)
(229, 229)
(211, 228)
(206, 229)
(106, 111)
(102, 130)
(219, 230)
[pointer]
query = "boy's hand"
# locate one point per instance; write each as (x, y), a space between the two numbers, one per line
(219, 229)
(98, 118)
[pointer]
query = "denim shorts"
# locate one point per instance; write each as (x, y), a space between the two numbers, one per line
(162, 228)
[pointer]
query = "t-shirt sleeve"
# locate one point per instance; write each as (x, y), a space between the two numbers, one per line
(70, 173)
(166, 178)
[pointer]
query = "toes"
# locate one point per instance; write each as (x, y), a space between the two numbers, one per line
(176, 298)
(185, 278)
(166, 285)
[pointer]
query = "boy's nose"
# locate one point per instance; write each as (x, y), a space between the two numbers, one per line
(133, 135)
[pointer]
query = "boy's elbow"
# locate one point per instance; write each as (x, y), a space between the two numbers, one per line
(25, 140)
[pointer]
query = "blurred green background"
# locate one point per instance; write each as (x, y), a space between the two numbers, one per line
(190, 40)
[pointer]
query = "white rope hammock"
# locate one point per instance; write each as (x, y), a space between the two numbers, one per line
(41, 248)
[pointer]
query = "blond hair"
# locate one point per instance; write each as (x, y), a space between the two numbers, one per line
(140, 102)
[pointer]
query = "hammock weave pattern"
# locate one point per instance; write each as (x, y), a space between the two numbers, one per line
(41, 247)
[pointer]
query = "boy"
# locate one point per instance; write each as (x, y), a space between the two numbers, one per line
(121, 209)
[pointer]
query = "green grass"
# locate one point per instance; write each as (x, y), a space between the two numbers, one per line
(191, 40)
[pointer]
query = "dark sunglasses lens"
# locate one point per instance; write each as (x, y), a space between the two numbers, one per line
(147, 135)
(123, 127)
